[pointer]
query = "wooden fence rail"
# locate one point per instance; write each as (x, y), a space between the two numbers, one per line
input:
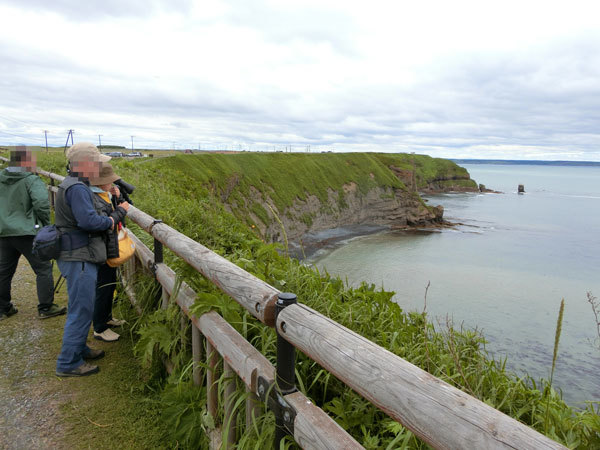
(253, 294)
(313, 429)
(438, 413)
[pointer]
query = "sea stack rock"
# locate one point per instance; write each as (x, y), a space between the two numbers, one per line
(482, 187)
(521, 189)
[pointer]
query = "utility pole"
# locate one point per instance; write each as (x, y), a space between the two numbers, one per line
(99, 141)
(132, 143)
(46, 135)
(71, 135)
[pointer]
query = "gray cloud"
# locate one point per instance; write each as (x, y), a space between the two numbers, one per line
(91, 10)
(286, 24)
(542, 100)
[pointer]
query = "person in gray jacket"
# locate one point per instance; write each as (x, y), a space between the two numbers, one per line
(24, 208)
(83, 250)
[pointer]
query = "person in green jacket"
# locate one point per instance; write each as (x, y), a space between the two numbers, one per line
(24, 209)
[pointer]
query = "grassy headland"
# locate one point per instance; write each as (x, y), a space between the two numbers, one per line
(187, 193)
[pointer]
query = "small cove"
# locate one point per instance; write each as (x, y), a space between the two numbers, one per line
(504, 270)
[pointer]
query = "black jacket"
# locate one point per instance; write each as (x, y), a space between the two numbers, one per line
(111, 236)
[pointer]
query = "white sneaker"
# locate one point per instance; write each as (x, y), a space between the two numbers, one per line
(116, 322)
(107, 335)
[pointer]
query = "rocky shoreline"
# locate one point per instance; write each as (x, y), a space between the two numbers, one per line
(378, 193)
(305, 247)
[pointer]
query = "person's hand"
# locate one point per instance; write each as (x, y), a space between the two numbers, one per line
(112, 227)
(115, 191)
(125, 206)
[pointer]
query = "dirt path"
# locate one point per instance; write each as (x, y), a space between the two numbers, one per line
(31, 395)
(39, 410)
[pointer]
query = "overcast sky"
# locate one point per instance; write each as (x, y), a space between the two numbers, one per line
(480, 79)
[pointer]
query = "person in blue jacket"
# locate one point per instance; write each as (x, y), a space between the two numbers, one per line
(83, 250)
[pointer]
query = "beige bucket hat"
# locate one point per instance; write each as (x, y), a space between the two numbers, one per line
(107, 175)
(85, 151)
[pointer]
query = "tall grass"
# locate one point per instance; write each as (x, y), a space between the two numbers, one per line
(554, 356)
(593, 301)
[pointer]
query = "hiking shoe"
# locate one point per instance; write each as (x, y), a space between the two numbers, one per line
(10, 312)
(107, 335)
(94, 353)
(52, 311)
(81, 371)
(116, 322)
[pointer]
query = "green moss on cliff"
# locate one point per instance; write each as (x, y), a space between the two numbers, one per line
(428, 169)
(284, 177)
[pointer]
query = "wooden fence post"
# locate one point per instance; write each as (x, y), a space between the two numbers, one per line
(196, 355)
(229, 420)
(253, 409)
(211, 376)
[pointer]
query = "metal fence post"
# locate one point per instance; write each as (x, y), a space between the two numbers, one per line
(52, 194)
(162, 295)
(158, 251)
(285, 371)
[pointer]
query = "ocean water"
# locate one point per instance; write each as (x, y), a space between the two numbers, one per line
(504, 269)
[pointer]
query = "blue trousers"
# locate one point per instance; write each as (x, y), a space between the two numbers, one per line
(81, 287)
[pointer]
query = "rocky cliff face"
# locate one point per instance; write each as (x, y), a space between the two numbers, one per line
(311, 193)
(396, 208)
(438, 184)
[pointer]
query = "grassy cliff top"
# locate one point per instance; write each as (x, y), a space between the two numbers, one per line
(280, 177)
(287, 176)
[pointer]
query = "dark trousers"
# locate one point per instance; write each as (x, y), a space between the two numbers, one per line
(11, 249)
(105, 290)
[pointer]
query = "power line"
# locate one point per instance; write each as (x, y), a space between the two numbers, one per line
(14, 120)
(21, 136)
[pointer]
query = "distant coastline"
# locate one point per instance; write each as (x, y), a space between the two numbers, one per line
(525, 162)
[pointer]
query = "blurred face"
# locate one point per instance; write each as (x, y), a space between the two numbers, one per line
(86, 169)
(30, 161)
(27, 161)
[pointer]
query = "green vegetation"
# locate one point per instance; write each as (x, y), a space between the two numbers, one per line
(187, 191)
(246, 180)
(111, 147)
(280, 177)
(429, 169)
(458, 356)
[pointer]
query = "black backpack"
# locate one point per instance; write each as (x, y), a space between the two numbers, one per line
(46, 244)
